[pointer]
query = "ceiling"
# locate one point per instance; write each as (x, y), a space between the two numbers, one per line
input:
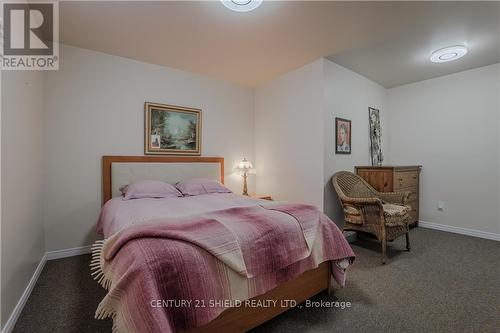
(388, 42)
(404, 58)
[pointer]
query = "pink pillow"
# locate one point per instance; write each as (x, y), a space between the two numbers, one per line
(149, 189)
(201, 186)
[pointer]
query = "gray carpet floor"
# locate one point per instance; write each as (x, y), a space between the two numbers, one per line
(447, 283)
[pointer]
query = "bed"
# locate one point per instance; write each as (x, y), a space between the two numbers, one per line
(245, 309)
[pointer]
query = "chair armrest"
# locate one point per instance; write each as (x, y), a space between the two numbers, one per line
(398, 198)
(363, 201)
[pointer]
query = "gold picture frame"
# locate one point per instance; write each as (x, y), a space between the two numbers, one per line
(171, 130)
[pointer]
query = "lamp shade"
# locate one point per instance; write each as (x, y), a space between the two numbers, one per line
(244, 165)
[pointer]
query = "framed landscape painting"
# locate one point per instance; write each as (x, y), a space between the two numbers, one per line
(172, 130)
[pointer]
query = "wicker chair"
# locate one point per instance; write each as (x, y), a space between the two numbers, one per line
(383, 214)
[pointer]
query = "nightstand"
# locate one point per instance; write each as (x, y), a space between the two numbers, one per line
(261, 196)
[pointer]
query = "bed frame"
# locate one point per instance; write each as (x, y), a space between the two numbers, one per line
(243, 318)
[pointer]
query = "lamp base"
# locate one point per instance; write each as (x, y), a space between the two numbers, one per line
(245, 186)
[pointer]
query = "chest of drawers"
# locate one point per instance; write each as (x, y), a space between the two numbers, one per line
(395, 179)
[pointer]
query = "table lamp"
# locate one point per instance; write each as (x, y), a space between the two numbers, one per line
(245, 166)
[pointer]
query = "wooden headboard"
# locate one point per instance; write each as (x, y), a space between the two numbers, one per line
(107, 167)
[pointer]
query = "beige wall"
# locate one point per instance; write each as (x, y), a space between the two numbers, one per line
(22, 233)
(289, 135)
(94, 107)
(450, 125)
(348, 95)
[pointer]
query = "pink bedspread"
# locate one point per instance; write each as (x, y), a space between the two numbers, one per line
(172, 274)
(118, 214)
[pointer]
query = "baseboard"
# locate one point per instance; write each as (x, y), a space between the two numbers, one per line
(51, 255)
(75, 251)
(459, 230)
(11, 322)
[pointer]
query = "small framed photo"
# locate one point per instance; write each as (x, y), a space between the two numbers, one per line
(342, 136)
(172, 130)
(155, 141)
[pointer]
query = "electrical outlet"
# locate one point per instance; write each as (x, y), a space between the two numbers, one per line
(440, 205)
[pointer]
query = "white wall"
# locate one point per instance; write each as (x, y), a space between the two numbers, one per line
(94, 107)
(295, 132)
(22, 234)
(289, 136)
(348, 95)
(451, 126)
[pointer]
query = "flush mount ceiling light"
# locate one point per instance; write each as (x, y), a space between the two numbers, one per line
(242, 5)
(449, 53)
